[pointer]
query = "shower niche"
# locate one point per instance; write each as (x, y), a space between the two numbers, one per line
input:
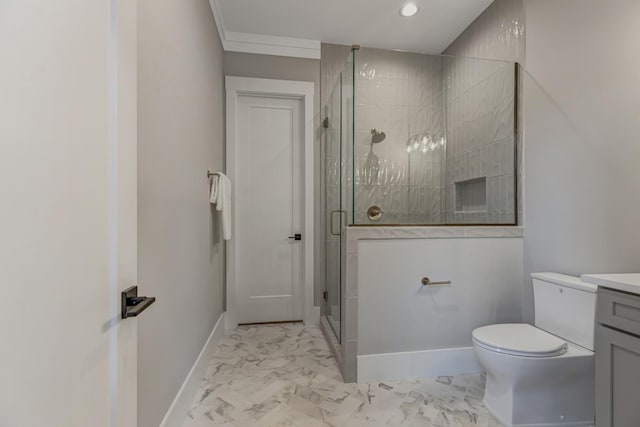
(471, 195)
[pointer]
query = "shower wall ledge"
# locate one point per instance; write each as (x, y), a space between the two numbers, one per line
(426, 232)
(348, 348)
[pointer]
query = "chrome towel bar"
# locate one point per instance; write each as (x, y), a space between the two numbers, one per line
(427, 282)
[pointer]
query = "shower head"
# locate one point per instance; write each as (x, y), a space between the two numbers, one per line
(377, 136)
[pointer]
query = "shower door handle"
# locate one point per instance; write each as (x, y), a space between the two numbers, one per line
(331, 216)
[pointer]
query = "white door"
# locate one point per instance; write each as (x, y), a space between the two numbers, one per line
(269, 187)
(67, 212)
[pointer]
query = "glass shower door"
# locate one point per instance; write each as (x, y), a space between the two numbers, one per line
(333, 218)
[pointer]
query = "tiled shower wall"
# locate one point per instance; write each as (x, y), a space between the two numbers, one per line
(400, 94)
(479, 118)
(333, 59)
(498, 34)
(480, 140)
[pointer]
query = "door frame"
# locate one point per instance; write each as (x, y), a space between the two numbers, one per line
(239, 86)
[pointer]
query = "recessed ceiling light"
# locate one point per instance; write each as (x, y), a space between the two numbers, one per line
(409, 9)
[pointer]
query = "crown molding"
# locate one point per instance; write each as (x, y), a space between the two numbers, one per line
(263, 44)
(217, 16)
(271, 45)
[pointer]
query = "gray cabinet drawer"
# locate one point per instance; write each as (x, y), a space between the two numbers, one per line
(617, 378)
(619, 310)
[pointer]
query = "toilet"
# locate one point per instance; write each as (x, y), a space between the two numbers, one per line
(543, 375)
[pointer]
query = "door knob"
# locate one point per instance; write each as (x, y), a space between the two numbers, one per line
(296, 237)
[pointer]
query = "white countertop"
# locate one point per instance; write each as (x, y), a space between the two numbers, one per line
(621, 282)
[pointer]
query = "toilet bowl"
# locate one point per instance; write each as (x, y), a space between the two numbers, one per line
(543, 375)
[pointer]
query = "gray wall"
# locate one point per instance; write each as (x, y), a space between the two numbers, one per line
(180, 136)
(285, 68)
(482, 270)
(582, 180)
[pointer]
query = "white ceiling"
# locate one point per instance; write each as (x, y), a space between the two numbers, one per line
(371, 23)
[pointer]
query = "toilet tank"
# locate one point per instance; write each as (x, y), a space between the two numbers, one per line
(565, 306)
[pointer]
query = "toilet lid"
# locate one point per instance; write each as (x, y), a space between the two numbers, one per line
(519, 339)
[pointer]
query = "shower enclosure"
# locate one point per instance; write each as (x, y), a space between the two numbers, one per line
(415, 140)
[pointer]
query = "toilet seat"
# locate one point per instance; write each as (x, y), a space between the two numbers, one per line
(519, 339)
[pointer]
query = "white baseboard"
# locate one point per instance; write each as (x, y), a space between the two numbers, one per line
(314, 318)
(179, 409)
(417, 364)
(230, 321)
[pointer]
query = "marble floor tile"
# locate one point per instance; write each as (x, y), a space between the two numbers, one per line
(285, 375)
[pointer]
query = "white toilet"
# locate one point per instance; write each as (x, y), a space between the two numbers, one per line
(543, 375)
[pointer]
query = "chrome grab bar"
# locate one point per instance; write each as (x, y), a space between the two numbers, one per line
(427, 282)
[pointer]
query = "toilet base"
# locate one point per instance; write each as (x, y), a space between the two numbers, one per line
(562, 424)
(540, 392)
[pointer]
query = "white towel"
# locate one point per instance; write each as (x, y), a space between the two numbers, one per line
(221, 197)
(213, 198)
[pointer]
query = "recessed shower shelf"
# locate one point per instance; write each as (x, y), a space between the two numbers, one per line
(471, 195)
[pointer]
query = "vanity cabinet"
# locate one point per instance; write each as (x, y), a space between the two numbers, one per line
(617, 359)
